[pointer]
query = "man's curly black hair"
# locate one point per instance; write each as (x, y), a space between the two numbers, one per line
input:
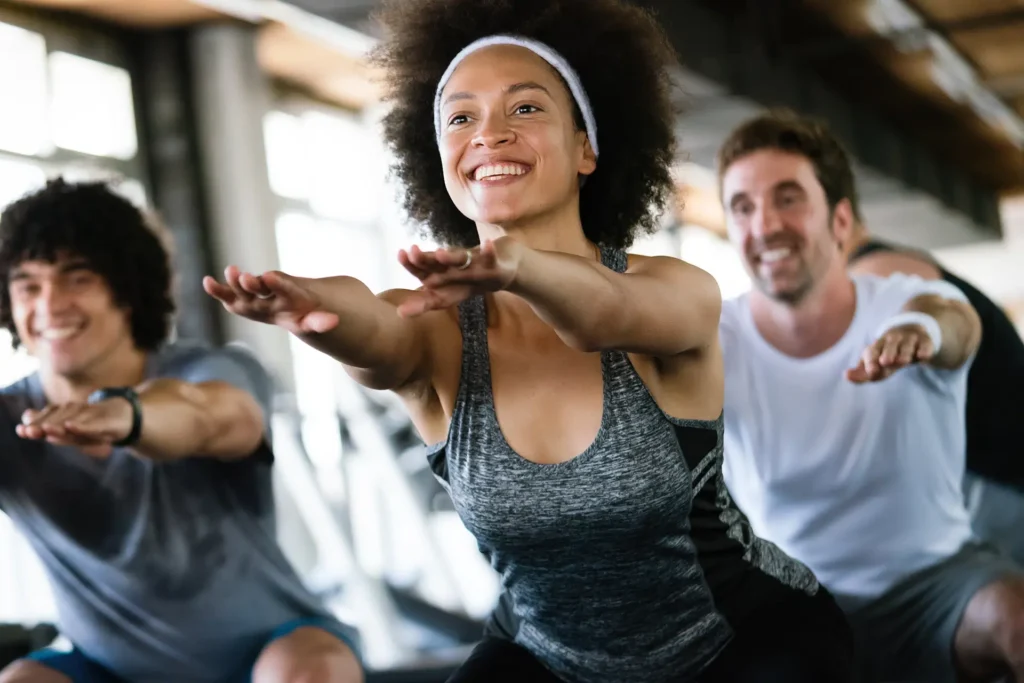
(622, 57)
(92, 222)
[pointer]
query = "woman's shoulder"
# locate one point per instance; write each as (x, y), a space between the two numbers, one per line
(660, 261)
(672, 270)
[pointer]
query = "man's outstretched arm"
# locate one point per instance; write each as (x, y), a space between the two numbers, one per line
(936, 327)
(213, 414)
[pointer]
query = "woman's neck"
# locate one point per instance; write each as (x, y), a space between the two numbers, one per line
(561, 231)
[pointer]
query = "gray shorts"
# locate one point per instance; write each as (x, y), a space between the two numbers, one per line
(907, 634)
(997, 514)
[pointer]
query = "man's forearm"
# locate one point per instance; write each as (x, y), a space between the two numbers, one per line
(960, 326)
(574, 296)
(211, 419)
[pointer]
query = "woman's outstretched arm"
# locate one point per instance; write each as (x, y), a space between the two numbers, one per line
(339, 316)
(660, 306)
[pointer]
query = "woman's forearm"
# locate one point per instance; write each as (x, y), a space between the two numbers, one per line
(361, 337)
(371, 338)
(661, 306)
(573, 295)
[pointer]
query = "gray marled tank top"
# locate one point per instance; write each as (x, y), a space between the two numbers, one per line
(628, 562)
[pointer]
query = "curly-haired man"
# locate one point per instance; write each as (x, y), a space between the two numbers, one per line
(139, 469)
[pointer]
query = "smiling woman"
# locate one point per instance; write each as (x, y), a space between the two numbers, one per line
(571, 392)
(508, 96)
(627, 88)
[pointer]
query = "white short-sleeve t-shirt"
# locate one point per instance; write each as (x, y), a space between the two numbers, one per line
(861, 482)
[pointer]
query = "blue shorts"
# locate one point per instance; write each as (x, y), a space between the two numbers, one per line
(80, 669)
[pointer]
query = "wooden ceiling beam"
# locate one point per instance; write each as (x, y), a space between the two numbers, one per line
(953, 11)
(985, 150)
(316, 67)
(135, 13)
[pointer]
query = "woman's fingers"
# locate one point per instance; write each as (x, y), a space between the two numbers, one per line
(423, 265)
(455, 258)
(253, 284)
(419, 303)
(429, 261)
(244, 294)
(426, 300)
(222, 293)
(286, 289)
(418, 258)
(405, 258)
(232, 274)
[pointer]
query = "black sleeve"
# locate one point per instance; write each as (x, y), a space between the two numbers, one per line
(995, 402)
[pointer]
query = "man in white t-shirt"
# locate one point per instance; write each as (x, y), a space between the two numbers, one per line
(844, 418)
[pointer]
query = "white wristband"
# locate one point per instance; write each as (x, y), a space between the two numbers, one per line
(930, 325)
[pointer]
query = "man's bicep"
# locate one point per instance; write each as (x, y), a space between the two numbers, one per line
(238, 368)
(940, 289)
(935, 303)
(901, 292)
(884, 264)
(231, 365)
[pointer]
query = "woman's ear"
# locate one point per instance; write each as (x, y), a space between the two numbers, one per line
(588, 161)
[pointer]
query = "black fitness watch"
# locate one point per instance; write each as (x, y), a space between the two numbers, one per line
(128, 394)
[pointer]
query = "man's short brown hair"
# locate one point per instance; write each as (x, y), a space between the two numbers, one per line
(787, 131)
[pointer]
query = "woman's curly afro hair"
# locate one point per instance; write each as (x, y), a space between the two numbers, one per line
(91, 221)
(622, 57)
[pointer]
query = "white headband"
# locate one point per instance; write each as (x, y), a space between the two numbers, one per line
(545, 52)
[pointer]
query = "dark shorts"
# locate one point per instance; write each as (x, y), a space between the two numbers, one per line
(997, 514)
(801, 639)
(80, 669)
(907, 634)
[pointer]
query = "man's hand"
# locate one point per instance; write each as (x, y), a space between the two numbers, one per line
(897, 348)
(92, 428)
(450, 276)
(274, 298)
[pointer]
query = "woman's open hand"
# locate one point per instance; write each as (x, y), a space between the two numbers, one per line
(450, 276)
(273, 298)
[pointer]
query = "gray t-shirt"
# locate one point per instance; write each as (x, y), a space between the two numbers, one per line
(161, 572)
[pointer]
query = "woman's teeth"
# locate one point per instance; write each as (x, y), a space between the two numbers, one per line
(498, 170)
